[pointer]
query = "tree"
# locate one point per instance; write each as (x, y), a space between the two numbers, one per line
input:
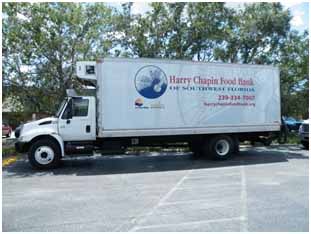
(293, 61)
(253, 32)
(41, 44)
(172, 30)
(142, 36)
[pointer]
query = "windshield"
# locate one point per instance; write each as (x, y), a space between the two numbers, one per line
(60, 108)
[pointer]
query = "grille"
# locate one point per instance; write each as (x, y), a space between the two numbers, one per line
(305, 127)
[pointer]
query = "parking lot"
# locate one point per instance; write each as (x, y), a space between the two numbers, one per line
(260, 189)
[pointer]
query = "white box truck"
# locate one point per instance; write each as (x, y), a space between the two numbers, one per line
(210, 106)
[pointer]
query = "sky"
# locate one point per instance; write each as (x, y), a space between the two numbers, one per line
(300, 13)
(298, 9)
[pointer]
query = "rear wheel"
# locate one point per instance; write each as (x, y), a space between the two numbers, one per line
(44, 154)
(219, 147)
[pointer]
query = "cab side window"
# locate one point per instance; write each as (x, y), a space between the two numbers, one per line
(80, 107)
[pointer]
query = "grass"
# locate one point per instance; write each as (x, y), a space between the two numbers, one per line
(293, 138)
(8, 151)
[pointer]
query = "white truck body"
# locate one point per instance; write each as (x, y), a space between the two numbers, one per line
(148, 97)
(210, 106)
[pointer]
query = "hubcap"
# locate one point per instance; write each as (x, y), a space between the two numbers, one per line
(44, 155)
(222, 147)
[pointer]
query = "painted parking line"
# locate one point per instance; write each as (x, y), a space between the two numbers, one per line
(138, 222)
(9, 160)
(244, 222)
(214, 202)
(212, 186)
(241, 219)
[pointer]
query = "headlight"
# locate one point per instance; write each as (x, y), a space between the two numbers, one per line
(300, 129)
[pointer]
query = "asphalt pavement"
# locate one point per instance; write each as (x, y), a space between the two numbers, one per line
(260, 189)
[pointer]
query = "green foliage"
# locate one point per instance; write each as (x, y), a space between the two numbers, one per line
(293, 61)
(293, 138)
(47, 39)
(10, 150)
(172, 30)
(253, 32)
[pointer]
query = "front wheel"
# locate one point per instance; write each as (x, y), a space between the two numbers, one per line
(219, 147)
(44, 154)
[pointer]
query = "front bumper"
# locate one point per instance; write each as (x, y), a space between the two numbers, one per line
(21, 147)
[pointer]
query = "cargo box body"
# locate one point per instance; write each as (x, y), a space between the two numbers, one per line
(206, 108)
(149, 97)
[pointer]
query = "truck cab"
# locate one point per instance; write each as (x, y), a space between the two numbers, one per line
(77, 119)
(46, 139)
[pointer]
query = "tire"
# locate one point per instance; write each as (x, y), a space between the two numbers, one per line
(305, 144)
(219, 147)
(8, 135)
(44, 154)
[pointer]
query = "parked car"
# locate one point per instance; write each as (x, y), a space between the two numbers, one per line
(292, 123)
(304, 134)
(6, 130)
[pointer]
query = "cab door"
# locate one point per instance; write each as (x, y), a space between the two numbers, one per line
(78, 120)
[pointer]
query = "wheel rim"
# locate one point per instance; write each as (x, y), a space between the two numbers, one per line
(44, 155)
(222, 147)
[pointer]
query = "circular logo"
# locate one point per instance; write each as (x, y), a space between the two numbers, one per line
(150, 82)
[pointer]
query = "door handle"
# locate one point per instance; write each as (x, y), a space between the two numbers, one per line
(88, 128)
(68, 121)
